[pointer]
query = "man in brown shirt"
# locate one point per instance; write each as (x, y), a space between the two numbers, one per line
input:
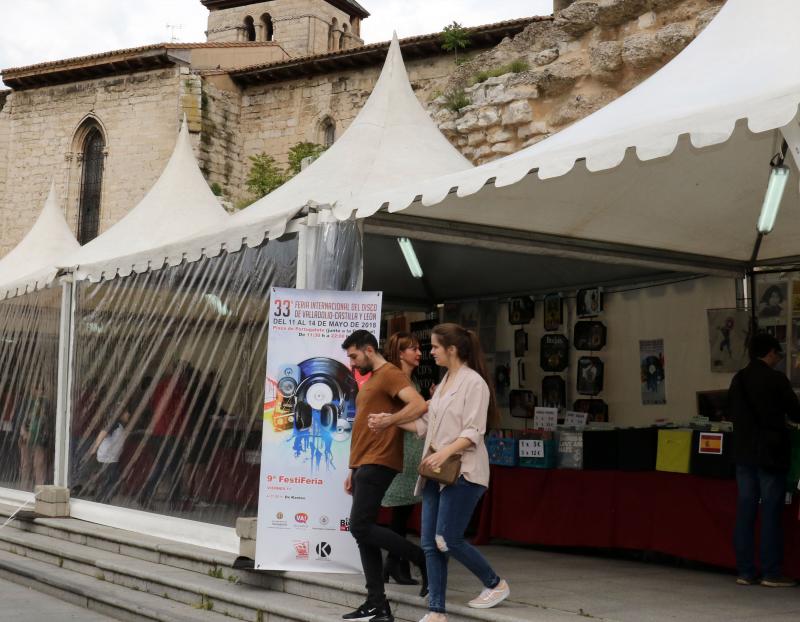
(375, 458)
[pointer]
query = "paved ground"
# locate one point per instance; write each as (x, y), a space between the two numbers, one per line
(621, 590)
(21, 604)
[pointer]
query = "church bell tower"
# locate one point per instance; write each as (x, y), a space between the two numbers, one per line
(301, 27)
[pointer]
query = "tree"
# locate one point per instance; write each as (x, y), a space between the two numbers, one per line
(454, 38)
(265, 176)
(300, 152)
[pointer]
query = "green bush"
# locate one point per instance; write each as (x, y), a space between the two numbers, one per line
(454, 38)
(457, 100)
(300, 152)
(265, 176)
(517, 66)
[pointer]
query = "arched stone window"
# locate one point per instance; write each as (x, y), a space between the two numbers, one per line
(249, 29)
(269, 27)
(328, 131)
(332, 36)
(92, 163)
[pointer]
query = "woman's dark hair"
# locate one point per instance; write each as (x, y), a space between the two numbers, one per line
(772, 289)
(468, 350)
(396, 344)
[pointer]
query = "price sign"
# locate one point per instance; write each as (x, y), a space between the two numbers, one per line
(575, 419)
(531, 448)
(545, 419)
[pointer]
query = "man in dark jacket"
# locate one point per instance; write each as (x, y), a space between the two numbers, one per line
(761, 399)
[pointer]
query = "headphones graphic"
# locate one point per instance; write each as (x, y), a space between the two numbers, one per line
(326, 387)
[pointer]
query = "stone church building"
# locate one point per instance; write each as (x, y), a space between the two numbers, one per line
(275, 73)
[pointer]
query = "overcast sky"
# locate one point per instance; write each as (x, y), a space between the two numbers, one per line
(35, 31)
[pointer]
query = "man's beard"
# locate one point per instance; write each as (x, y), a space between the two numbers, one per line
(365, 368)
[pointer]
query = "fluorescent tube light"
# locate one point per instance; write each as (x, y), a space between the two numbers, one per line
(411, 257)
(772, 199)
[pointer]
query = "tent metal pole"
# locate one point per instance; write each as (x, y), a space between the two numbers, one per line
(302, 256)
(66, 345)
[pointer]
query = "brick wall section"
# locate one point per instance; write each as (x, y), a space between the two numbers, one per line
(301, 27)
(140, 114)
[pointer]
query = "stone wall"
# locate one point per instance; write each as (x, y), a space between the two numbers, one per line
(139, 114)
(301, 27)
(593, 52)
(277, 116)
(5, 122)
(220, 151)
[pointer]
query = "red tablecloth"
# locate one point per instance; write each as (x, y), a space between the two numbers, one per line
(682, 515)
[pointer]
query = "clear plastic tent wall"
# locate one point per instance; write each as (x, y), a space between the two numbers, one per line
(168, 385)
(29, 351)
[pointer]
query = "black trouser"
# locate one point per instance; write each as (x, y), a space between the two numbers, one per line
(370, 482)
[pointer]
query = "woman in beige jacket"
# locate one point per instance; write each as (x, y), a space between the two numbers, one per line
(454, 425)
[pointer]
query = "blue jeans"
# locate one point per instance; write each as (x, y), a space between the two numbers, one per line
(755, 483)
(445, 516)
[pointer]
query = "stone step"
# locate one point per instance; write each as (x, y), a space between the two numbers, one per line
(343, 590)
(218, 592)
(90, 593)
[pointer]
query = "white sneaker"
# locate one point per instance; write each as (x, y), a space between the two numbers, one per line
(491, 597)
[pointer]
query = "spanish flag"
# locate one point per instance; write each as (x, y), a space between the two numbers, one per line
(710, 443)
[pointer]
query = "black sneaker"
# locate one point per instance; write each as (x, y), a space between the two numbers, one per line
(363, 614)
(384, 613)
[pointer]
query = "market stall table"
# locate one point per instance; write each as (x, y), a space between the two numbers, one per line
(681, 515)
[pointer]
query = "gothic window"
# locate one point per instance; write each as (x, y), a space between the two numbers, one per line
(269, 28)
(93, 159)
(249, 28)
(328, 132)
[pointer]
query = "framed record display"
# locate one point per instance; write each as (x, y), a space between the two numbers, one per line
(597, 410)
(589, 336)
(522, 404)
(554, 392)
(553, 312)
(520, 310)
(589, 302)
(520, 342)
(554, 353)
(590, 375)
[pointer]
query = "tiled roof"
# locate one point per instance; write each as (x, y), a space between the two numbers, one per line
(81, 60)
(374, 53)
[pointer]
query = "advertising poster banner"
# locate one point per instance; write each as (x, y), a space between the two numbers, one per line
(651, 355)
(309, 408)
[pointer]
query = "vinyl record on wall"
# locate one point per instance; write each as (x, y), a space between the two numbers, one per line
(589, 302)
(596, 409)
(553, 312)
(522, 404)
(520, 310)
(589, 336)
(590, 375)
(520, 342)
(554, 353)
(554, 392)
